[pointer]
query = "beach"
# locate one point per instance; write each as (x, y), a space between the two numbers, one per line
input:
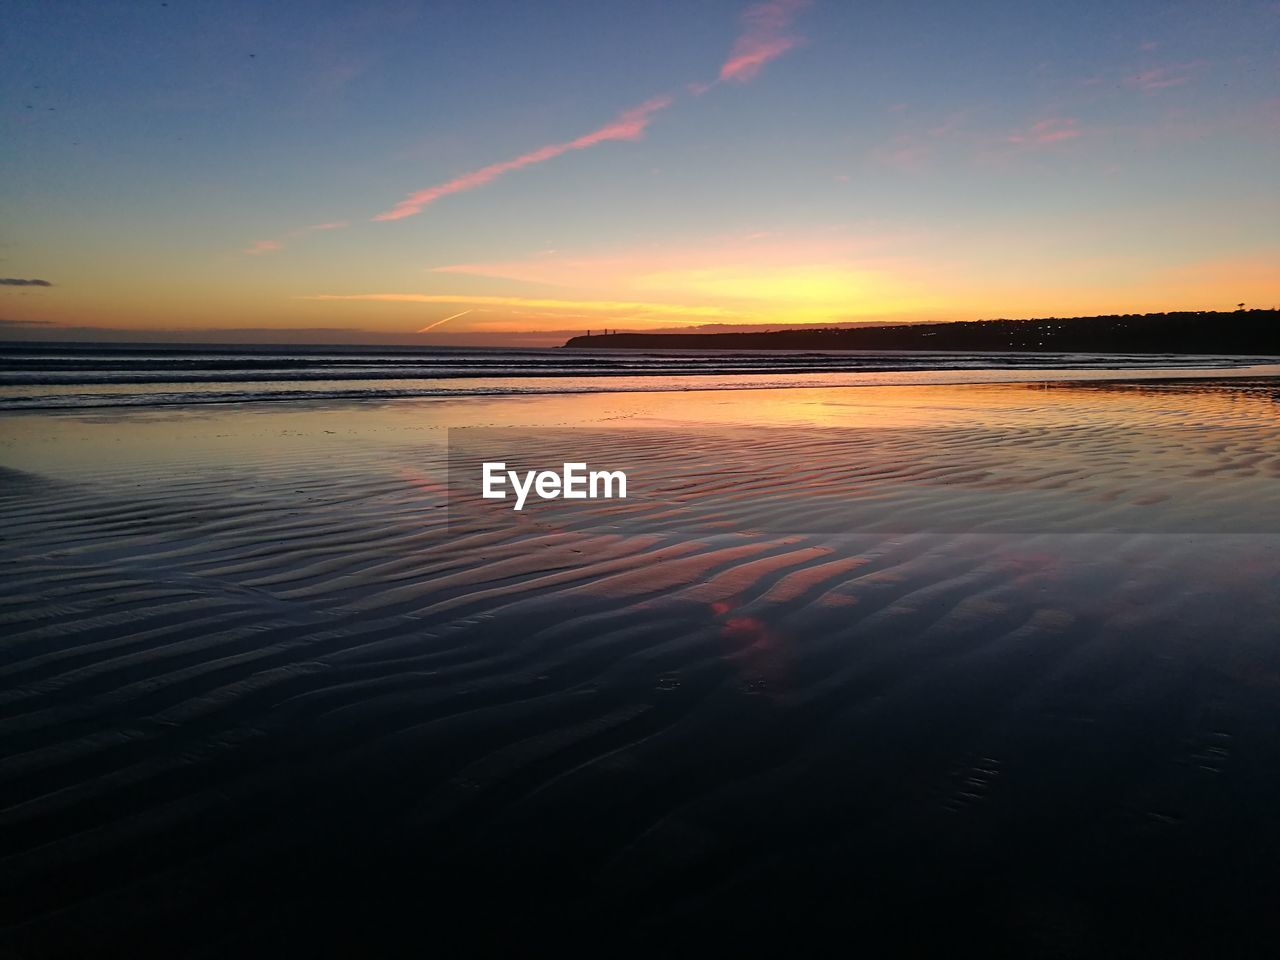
(266, 691)
(782, 478)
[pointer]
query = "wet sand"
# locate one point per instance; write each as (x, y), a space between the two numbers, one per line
(263, 695)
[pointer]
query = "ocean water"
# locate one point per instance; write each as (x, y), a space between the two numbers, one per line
(75, 375)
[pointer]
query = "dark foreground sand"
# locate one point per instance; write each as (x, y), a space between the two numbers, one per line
(260, 698)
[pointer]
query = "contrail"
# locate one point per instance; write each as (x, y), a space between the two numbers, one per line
(630, 125)
(432, 326)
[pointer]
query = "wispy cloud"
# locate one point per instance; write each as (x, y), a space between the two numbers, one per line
(1161, 78)
(1049, 130)
(591, 306)
(679, 269)
(19, 282)
(629, 125)
(271, 246)
(916, 146)
(763, 276)
(956, 139)
(765, 36)
(905, 153)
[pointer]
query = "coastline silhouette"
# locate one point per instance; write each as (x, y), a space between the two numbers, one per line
(1185, 331)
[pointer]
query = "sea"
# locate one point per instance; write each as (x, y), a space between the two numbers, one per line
(43, 376)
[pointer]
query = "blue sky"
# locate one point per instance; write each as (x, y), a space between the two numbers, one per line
(165, 163)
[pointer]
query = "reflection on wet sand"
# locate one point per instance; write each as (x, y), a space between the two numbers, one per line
(248, 661)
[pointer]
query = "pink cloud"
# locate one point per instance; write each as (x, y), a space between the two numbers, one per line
(1261, 118)
(630, 125)
(764, 38)
(953, 123)
(905, 154)
(1049, 130)
(913, 149)
(956, 139)
(1161, 78)
(271, 246)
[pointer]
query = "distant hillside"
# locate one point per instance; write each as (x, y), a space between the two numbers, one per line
(1238, 332)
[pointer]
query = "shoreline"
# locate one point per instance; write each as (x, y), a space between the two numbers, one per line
(732, 383)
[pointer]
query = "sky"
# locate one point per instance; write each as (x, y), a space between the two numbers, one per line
(474, 171)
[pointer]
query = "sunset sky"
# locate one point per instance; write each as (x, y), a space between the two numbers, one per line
(486, 168)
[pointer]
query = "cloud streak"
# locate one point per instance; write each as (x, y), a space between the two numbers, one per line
(20, 282)
(755, 257)
(259, 247)
(1162, 78)
(1049, 130)
(593, 306)
(765, 37)
(629, 125)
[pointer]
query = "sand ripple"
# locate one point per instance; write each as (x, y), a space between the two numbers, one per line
(290, 685)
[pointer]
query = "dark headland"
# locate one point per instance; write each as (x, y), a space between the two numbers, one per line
(1255, 332)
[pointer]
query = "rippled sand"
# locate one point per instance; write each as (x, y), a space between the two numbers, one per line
(263, 695)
